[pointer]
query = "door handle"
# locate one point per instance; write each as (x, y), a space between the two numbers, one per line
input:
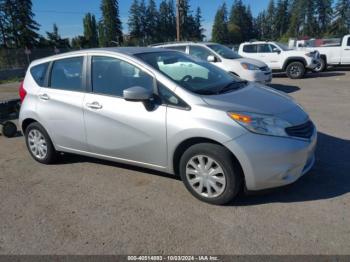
(347, 49)
(44, 97)
(94, 105)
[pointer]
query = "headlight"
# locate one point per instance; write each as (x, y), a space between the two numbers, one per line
(248, 66)
(261, 124)
(311, 54)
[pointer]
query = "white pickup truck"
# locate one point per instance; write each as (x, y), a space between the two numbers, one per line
(332, 54)
(280, 58)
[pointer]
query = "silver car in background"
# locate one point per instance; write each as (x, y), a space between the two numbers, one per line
(164, 110)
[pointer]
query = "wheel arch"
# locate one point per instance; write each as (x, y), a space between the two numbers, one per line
(184, 145)
(26, 122)
(294, 59)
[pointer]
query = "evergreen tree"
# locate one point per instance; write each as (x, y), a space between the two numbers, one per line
(261, 25)
(110, 26)
(281, 20)
(198, 30)
(79, 42)
(151, 22)
(220, 30)
(54, 39)
(90, 30)
(167, 21)
(325, 12)
(134, 21)
(21, 28)
(310, 25)
(297, 18)
(240, 25)
(341, 24)
(143, 21)
(271, 20)
(3, 24)
(187, 20)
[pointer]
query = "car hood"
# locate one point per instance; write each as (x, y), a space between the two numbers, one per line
(256, 98)
(247, 60)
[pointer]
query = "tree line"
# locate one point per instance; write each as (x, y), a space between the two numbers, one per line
(147, 23)
(282, 19)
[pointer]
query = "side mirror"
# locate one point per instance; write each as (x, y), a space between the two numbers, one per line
(212, 59)
(276, 50)
(137, 94)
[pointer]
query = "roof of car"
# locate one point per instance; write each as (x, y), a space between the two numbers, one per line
(257, 42)
(183, 43)
(122, 50)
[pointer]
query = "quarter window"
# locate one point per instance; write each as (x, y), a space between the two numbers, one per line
(250, 49)
(66, 74)
(39, 72)
(200, 52)
(169, 97)
(111, 76)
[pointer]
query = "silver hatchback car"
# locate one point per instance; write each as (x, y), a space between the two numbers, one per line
(164, 110)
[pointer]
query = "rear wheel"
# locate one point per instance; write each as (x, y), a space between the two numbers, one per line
(39, 144)
(209, 173)
(295, 70)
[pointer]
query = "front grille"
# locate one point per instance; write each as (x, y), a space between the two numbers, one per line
(264, 68)
(304, 131)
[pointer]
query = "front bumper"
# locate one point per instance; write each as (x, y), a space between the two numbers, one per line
(313, 63)
(258, 76)
(269, 162)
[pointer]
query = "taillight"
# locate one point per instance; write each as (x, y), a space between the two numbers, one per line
(22, 92)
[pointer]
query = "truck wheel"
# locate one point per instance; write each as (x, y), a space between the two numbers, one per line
(321, 66)
(9, 129)
(295, 70)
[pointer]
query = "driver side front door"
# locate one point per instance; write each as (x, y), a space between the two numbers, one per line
(124, 130)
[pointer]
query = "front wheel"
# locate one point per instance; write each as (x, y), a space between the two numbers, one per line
(295, 70)
(321, 66)
(210, 174)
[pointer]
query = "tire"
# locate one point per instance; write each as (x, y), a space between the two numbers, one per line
(295, 70)
(321, 67)
(9, 129)
(227, 180)
(39, 144)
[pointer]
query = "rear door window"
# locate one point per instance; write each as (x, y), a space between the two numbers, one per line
(250, 49)
(66, 74)
(38, 72)
(264, 48)
(349, 41)
(200, 52)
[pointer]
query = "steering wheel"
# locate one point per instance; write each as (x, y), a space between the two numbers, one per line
(186, 78)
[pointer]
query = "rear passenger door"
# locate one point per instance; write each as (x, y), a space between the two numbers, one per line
(121, 129)
(60, 103)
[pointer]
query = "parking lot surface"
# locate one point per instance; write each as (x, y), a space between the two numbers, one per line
(87, 206)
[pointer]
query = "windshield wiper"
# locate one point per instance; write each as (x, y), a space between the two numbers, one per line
(235, 85)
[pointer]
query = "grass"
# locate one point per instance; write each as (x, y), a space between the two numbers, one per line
(11, 80)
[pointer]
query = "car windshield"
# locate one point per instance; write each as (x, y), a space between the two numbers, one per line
(224, 51)
(283, 47)
(194, 75)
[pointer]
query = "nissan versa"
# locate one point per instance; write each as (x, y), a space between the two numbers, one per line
(164, 110)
